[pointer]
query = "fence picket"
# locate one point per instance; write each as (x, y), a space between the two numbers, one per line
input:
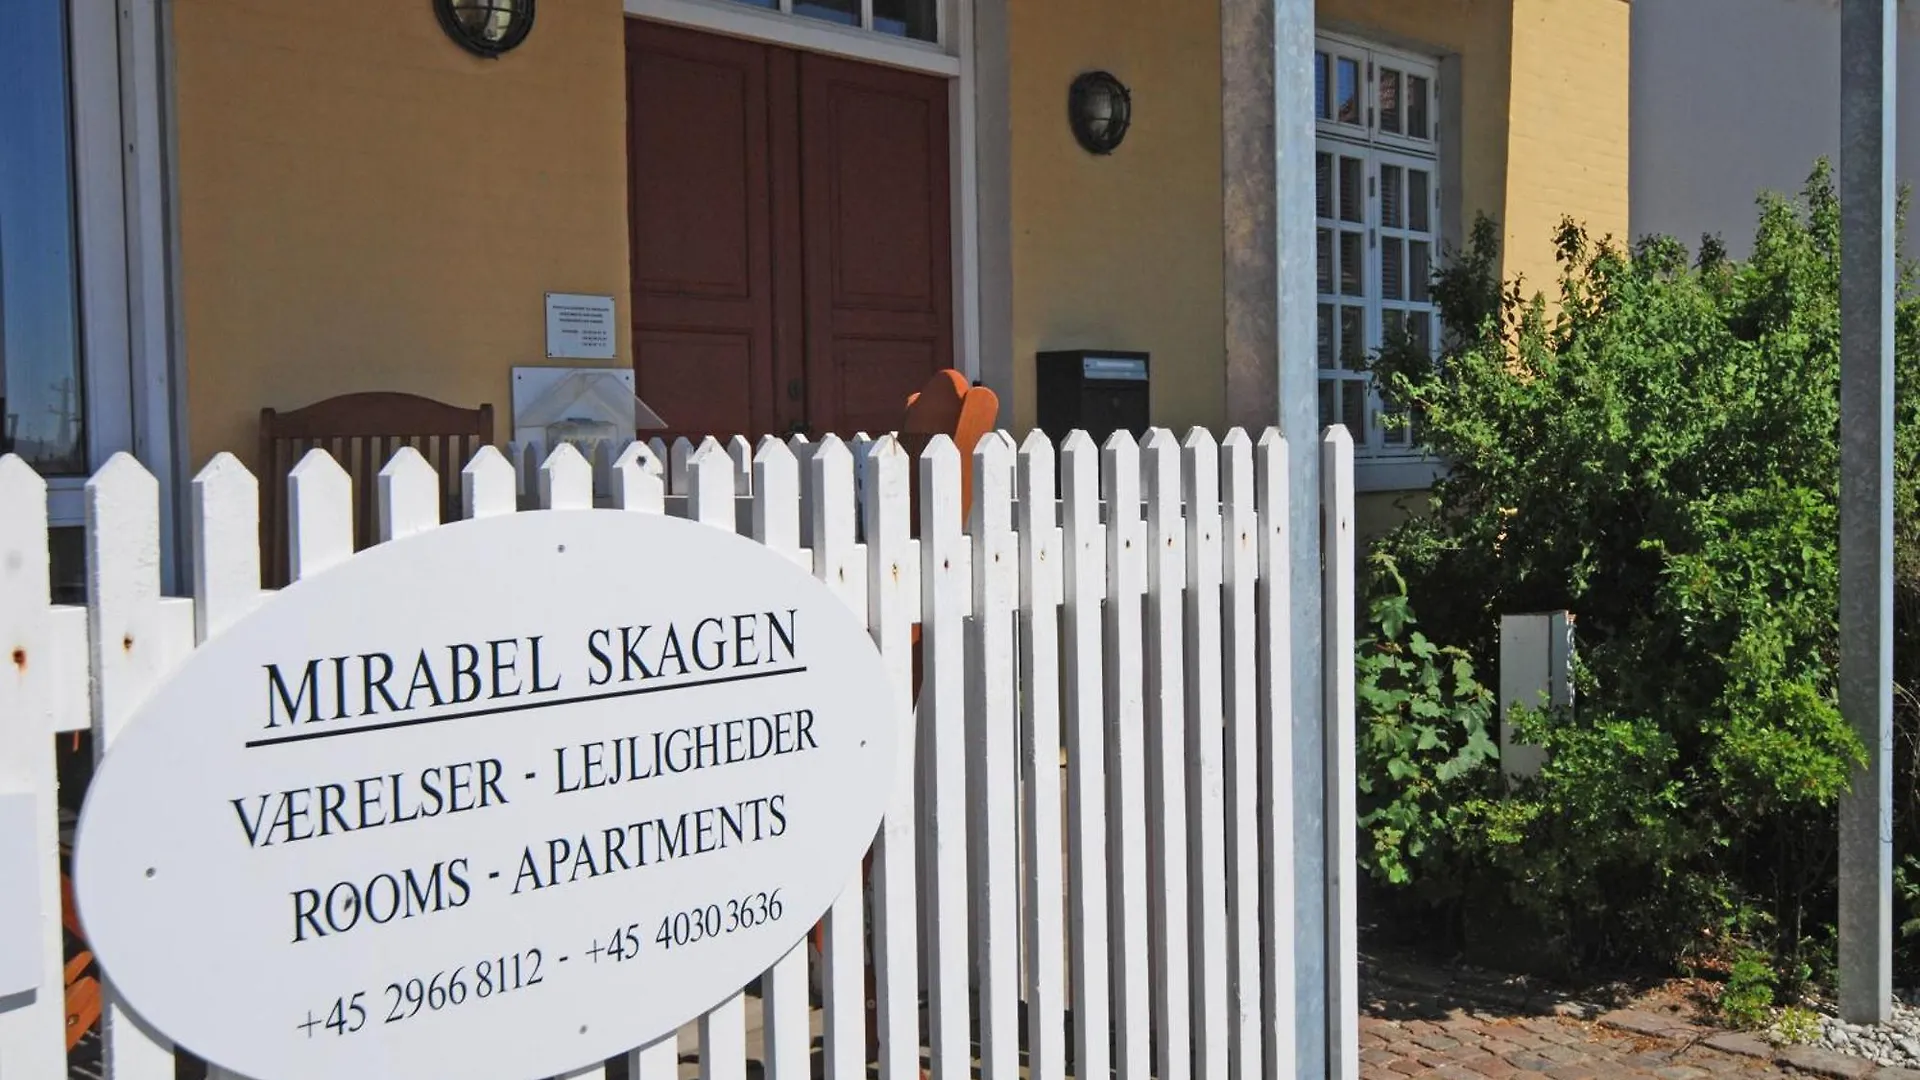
(1206, 818)
(893, 601)
(1166, 756)
(637, 481)
(1126, 758)
(1336, 681)
(740, 452)
(1242, 771)
(1083, 559)
(942, 726)
(1040, 764)
(566, 480)
(319, 514)
(992, 761)
(1273, 613)
(226, 545)
(837, 561)
(677, 465)
(32, 1033)
(409, 495)
(130, 652)
(487, 485)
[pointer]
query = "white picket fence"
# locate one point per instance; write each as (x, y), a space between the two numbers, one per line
(1101, 824)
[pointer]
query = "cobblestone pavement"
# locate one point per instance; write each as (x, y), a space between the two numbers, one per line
(1424, 1024)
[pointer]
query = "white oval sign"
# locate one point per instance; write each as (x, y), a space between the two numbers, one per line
(499, 800)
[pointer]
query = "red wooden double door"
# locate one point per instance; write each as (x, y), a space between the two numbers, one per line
(790, 235)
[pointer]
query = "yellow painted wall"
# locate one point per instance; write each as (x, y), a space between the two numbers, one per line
(1568, 152)
(1120, 252)
(365, 206)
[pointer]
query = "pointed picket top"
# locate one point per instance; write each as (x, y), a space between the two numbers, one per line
(488, 486)
(710, 485)
(677, 456)
(1160, 474)
(885, 502)
(1237, 485)
(638, 480)
(1200, 473)
(226, 544)
(319, 514)
(566, 480)
(740, 451)
(993, 461)
(658, 447)
(829, 528)
(1335, 435)
(526, 468)
(24, 563)
(602, 467)
(776, 496)
(409, 495)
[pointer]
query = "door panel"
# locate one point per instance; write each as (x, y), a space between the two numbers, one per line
(702, 239)
(879, 301)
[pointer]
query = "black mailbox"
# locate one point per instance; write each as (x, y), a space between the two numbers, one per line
(1098, 390)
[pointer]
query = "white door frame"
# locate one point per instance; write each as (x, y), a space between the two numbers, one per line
(120, 162)
(963, 57)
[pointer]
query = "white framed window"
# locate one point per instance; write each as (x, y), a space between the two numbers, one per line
(1377, 208)
(917, 35)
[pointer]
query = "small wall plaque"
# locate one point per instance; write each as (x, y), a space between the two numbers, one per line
(579, 327)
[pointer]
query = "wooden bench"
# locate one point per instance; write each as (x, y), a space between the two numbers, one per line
(362, 431)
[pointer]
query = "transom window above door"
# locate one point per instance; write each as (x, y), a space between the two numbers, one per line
(916, 20)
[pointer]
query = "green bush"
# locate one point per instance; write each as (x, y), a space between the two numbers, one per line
(1656, 451)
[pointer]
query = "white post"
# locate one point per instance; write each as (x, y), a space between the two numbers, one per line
(1536, 668)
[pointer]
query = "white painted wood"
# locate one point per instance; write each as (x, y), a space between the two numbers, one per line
(1240, 646)
(740, 451)
(992, 764)
(1536, 669)
(658, 1060)
(409, 495)
(786, 1034)
(839, 562)
(1126, 749)
(1083, 559)
(637, 479)
(810, 35)
(710, 495)
(1205, 747)
(677, 465)
(893, 604)
(942, 720)
(319, 514)
(487, 485)
(528, 459)
(1343, 963)
(1273, 637)
(130, 653)
(723, 1036)
(225, 514)
(32, 1033)
(787, 1052)
(803, 453)
(1041, 582)
(1166, 756)
(658, 446)
(566, 480)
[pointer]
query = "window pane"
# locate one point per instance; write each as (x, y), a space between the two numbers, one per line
(1353, 408)
(1349, 91)
(907, 18)
(1321, 108)
(1393, 324)
(1391, 198)
(1325, 350)
(1353, 189)
(759, 3)
(1420, 328)
(1392, 268)
(1329, 398)
(1390, 101)
(42, 402)
(1353, 338)
(1417, 107)
(1420, 271)
(1394, 433)
(1326, 260)
(1323, 185)
(1418, 201)
(844, 12)
(1352, 264)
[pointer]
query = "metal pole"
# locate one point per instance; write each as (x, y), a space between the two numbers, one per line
(1868, 48)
